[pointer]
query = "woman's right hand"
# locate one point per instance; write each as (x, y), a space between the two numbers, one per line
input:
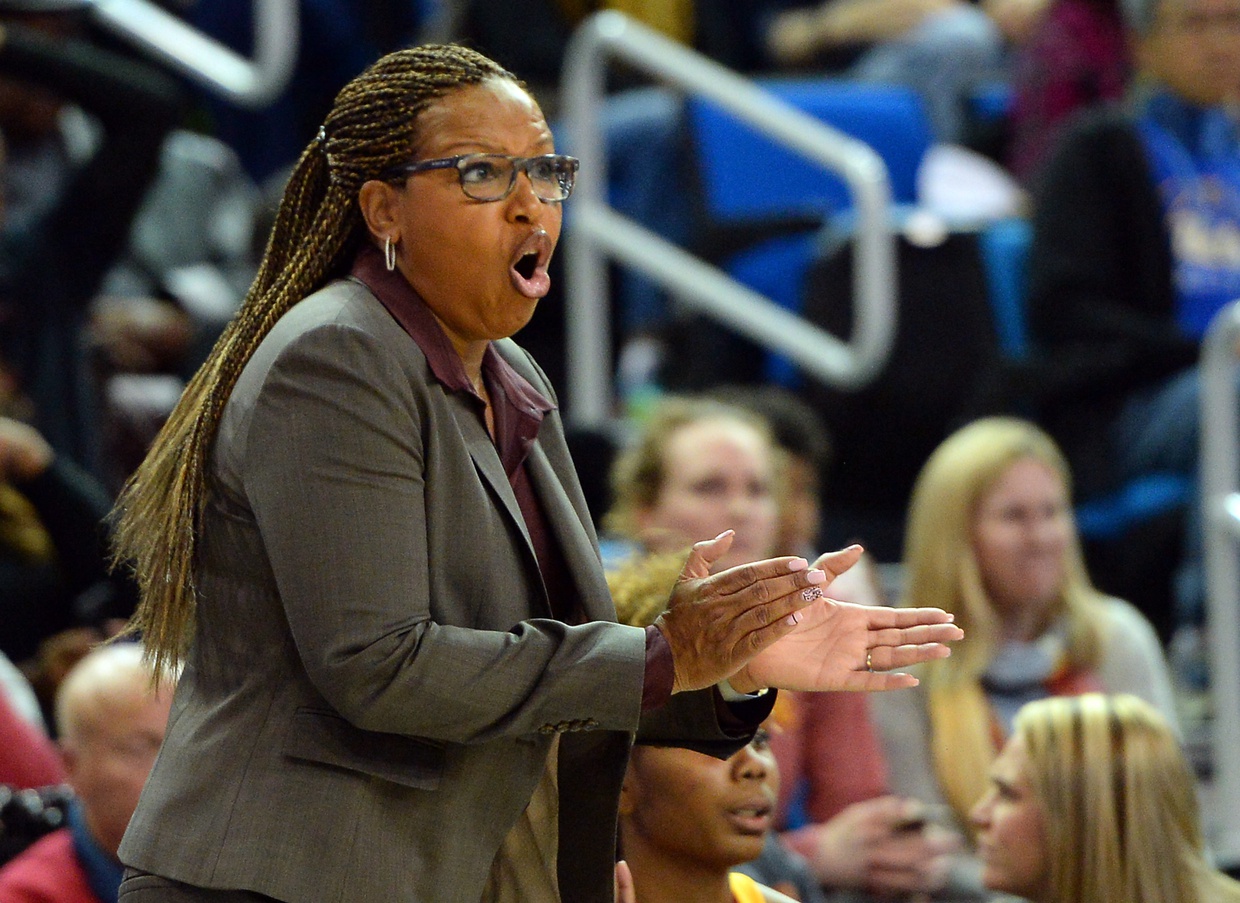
(883, 845)
(715, 624)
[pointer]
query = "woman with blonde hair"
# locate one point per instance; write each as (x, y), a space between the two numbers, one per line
(1092, 801)
(991, 538)
(696, 460)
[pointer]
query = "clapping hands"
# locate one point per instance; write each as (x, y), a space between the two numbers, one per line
(768, 624)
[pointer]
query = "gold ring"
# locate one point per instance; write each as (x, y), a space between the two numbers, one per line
(869, 663)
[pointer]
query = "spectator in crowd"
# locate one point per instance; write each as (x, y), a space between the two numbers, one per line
(1092, 799)
(57, 246)
(27, 757)
(942, 48)
(111, 721)
(15, 687)
(688, 819)
(1075, 58)
(805, 450)
(1133, 253)
(696, 465)
(991, 537)
(53, 546)
(175, 282)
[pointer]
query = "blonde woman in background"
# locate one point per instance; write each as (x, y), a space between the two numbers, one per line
(696, 463)
(991, 537)
(1092, 801)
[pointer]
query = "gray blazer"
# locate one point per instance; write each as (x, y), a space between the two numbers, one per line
(375, 679)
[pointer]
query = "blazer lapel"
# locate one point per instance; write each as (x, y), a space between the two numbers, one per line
(570, 532)
(486, 460)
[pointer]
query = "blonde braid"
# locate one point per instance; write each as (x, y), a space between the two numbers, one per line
(373, 126)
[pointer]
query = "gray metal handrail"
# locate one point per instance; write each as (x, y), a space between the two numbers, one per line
(1220, 488)
(596, 231)
(248, 83)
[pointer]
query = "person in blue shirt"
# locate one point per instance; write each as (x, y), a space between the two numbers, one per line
(1136, 245)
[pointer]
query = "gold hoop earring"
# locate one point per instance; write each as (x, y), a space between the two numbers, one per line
(389, 253)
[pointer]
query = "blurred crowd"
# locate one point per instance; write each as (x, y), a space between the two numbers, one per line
(134, 204)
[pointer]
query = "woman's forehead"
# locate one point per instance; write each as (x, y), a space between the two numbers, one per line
(486, 116)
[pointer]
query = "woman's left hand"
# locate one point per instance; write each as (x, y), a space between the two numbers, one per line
(844, 646)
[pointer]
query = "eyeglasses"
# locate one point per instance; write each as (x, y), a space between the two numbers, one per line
(491, 177)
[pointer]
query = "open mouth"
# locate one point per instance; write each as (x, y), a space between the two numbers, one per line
(528, 269)
(753, 811)
(526, 265)
(751, 819)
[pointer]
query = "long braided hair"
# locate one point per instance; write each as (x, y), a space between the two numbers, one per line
(372, 127)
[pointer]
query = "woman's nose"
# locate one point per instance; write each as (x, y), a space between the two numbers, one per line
(1050, 530)
(523, 203)
(750, 765)
(740, 504)
(979, 815)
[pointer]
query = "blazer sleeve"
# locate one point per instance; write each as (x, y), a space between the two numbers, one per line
(333, 471)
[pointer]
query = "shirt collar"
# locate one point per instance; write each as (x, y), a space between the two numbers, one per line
(416, 318)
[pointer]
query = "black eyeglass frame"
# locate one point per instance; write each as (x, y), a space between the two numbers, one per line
(459, 162)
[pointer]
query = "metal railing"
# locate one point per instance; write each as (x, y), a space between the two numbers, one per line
(252, 83)
(1220, 488)
(596, 231)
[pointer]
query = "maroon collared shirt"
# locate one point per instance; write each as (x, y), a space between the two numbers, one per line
(518, 410)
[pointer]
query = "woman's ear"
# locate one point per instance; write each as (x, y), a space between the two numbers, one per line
(378, 203)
